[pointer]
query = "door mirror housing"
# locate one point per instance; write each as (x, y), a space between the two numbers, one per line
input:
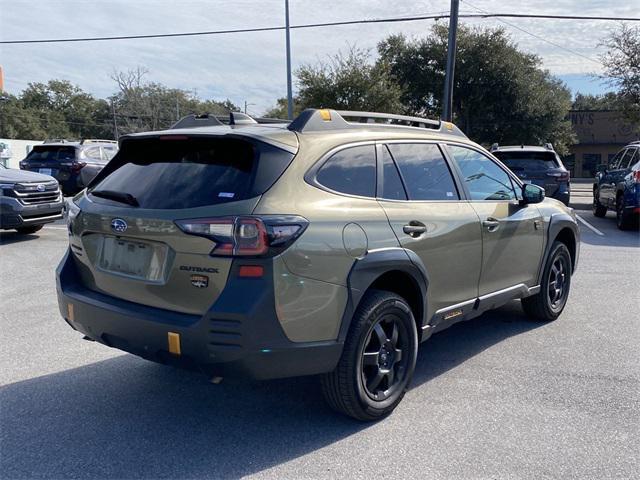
(532, 194)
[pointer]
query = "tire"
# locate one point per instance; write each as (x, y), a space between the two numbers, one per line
(371, 377)
(599, 210)
(29, 230)
(547, 305)
(623, 219)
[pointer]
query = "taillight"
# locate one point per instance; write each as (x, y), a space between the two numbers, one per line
(635, 176)
(77, 166)
(246, 236)
(559, 176)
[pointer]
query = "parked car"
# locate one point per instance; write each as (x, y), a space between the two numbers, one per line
(618, 187)
(28, 200)
(538, 165)
(331, 245)
(73, 164)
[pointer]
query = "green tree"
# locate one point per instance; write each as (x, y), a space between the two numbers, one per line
(622, 69)
(142, 106)
(349, 82)
(280, 109)
(606, 101)
(500, 93)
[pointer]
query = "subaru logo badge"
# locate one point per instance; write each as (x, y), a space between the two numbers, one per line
(118, 225)
(40, 187)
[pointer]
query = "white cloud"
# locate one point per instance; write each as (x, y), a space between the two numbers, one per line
(251, 66)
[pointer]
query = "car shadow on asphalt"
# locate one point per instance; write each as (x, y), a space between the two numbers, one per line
(7, 238)
(125, 417)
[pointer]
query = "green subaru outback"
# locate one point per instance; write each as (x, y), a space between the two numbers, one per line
(332, 246)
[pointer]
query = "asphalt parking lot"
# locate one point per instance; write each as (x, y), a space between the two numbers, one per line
(496, 397)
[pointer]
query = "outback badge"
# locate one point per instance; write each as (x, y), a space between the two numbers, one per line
(200, 281)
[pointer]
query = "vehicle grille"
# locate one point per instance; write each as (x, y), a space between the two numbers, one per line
(29, 194)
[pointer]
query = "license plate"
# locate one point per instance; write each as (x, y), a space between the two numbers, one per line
(45, 171)
(140, 260)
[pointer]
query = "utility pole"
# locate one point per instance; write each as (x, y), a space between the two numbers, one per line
(115, 124)
(177, 108)
(447, 100)
(288, 37)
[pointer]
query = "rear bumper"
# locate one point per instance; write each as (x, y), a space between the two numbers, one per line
(14, 214)
(240, 335)
(563, 193)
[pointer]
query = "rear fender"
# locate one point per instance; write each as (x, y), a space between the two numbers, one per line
(367, 270)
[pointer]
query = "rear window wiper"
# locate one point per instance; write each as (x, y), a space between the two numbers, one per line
(121, 197)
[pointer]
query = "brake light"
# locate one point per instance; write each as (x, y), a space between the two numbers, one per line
(246, 236)
(635, 176)
(559, 176)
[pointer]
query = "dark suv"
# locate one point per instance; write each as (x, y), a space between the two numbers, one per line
(73, 164)
(618, 186)
(538, 165)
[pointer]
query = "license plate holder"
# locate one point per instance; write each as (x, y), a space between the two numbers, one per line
(133, 258)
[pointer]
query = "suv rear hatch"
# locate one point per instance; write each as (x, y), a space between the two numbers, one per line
(540, 168)
(129, 234)
(55, 160)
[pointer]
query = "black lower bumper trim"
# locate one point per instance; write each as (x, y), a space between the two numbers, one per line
(240, 335)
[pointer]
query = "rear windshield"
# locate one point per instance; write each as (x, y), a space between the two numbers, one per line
(45, 153)
(518, 161)
(194, 172)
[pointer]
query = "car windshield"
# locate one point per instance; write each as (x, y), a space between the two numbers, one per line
(528, 160)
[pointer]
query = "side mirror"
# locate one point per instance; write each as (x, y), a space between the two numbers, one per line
(602, 168)
(532, 194)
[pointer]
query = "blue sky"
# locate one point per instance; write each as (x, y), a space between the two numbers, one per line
(251, 67)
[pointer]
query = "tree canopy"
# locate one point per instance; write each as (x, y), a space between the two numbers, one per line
(501, 94)
(622, 68)
(59, 109)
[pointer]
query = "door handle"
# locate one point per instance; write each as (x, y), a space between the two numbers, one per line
(491, 224)
(414, 228)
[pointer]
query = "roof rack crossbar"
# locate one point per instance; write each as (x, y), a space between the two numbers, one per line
(313, 120)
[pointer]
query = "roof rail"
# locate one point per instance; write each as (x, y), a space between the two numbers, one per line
(314, 120)
(95, 140)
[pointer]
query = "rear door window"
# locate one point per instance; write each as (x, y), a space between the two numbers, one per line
(392, 184)
(193, 172)
(93, 153)
(424, 171)
(351, 171)
(484, 178)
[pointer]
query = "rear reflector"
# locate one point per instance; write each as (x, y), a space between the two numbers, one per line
(174, 342)
(252, 271)
(70, 313)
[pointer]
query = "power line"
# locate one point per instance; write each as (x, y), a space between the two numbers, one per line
(318, 25)
(537, 36)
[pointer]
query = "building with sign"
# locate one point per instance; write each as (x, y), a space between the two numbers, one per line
(601, 134)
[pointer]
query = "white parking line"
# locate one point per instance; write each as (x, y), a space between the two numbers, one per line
(589, 226)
